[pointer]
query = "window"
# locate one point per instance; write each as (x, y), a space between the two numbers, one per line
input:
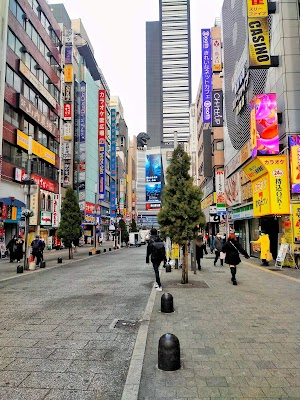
(9, 76)
(19, 15)
(11, 40)
(43, 202)
(29, 29)
(10, 115)
(13, 6)
(220, 145)
(28, 128)
(49, 203)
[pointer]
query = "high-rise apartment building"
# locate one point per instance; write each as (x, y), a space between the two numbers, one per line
(169, 67)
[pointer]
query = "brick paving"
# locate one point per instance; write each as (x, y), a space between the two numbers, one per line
(237, 342)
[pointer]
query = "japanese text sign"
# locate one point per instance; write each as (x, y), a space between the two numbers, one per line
(206, 75)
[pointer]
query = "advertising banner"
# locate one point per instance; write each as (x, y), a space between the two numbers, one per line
(271, 186)
(68, 73)
(257, 8)
(296, 222)
(102, 115)
(67, 111)
(102, 173)
(153, 192)
(216, 55)
(37, 148)
(217, 108)
(46, 218)
(206, 75)
(67, 131)
(56, 211)
(233, 190)
(68, 54)
(113, 161)
(220, 193)
(34, 206)
(82, 111)
(264, 125)
(68, 92)
(294, 143)
(153, 168)
(259, 42)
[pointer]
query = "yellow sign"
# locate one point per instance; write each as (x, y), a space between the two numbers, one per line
(259, 42)
(208, 201)
(254, 169)
(68, 72)
(253, 130)
(257, 8)
(175, 251)
(37, 148)
(270, 190)
(295, 164)
(296, 222)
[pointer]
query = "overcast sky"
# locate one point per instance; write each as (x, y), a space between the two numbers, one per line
(117, 32)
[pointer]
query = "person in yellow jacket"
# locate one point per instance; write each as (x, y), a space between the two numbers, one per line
(264, 242)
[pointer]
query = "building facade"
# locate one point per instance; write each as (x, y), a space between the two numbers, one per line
(256, 76)
(169, 73)
(32, 106)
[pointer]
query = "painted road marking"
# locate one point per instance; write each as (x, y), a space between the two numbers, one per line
(290, 278)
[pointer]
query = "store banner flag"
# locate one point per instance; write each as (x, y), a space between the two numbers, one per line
(294, 143)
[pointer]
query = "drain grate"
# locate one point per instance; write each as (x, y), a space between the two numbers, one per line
(126, 325)
(190, 285)
(218, 272)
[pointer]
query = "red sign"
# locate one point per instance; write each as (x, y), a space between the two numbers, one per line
(102, 115)
(4, 211)
(67, 111)
(42, 182)
(90, 208)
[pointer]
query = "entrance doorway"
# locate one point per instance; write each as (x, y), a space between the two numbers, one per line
(271, 227)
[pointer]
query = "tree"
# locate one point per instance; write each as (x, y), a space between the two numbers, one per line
(124, 231)
(181, 214)
(71, 219)
(133, 226)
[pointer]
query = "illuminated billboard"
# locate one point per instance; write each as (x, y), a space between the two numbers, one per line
(153, 168)
(264, 125)
(153, 192)
(294, 143)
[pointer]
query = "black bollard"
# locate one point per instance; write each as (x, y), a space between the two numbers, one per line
(43, 264)
(166, 303)
(109, 249)
(20, 269)
(104, 250)
(59, 260)
(168, 267)
(98, 251)
(90, 253)
(168, 353)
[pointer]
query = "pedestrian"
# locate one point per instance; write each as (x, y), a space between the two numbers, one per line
(12, 248)
(19, 252)
(211, 243)
(264, 242)
(37, 247)
(233, 249)
(200, 249)
(156, 249)
(218, 243)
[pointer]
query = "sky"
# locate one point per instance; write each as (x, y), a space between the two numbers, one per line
(117, 31)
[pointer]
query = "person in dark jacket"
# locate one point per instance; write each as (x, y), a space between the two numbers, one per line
(19, 252)
(37, 246)
(233, 248)
(12, 248)
(157, 251)
(200, 249)
(218, 242)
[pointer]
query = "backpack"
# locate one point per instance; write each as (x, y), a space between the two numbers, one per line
(36, 245)
(158, 251)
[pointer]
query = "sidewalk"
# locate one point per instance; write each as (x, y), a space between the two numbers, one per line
(9, 270)
(237, 342)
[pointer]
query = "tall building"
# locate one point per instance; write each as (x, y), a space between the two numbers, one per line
(32, 102)
(169, 73)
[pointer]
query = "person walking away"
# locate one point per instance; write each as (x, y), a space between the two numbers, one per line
(264, 242)
(200, 249)
(37, 247)
(19, 252)
(233, 248)
(211, 243)
(12, 248)
(218, 248)
(156, 249)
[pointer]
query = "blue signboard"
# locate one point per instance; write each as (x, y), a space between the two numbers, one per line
(206, 75)
(68, 55)
(153, 192)
(82, 111)
(153, 168)
(113, 161)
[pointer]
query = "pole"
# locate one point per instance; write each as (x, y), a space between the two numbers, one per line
(26, 255)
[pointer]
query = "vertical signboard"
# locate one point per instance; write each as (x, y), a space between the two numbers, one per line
(206, 75)
(216, 55)
(56, 211)
(217, 108)
(220, 193)
(294, 143)
(102, 141)
(113, 161)
(82, 135)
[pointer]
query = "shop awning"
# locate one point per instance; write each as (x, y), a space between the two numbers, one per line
(11, 201)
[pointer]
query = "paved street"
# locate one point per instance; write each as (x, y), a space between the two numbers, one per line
(237, 342)
(57, 334)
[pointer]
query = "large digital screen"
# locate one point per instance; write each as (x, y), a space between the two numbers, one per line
(153, 168)
(153, 192)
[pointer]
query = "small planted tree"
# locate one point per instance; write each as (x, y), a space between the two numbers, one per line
(181, 213)
(70, 224)
(133, 226)
(124, 231)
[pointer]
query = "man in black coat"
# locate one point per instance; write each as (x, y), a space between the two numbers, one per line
(156, 249)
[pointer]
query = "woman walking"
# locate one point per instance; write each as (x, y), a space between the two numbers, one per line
(232, 248)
